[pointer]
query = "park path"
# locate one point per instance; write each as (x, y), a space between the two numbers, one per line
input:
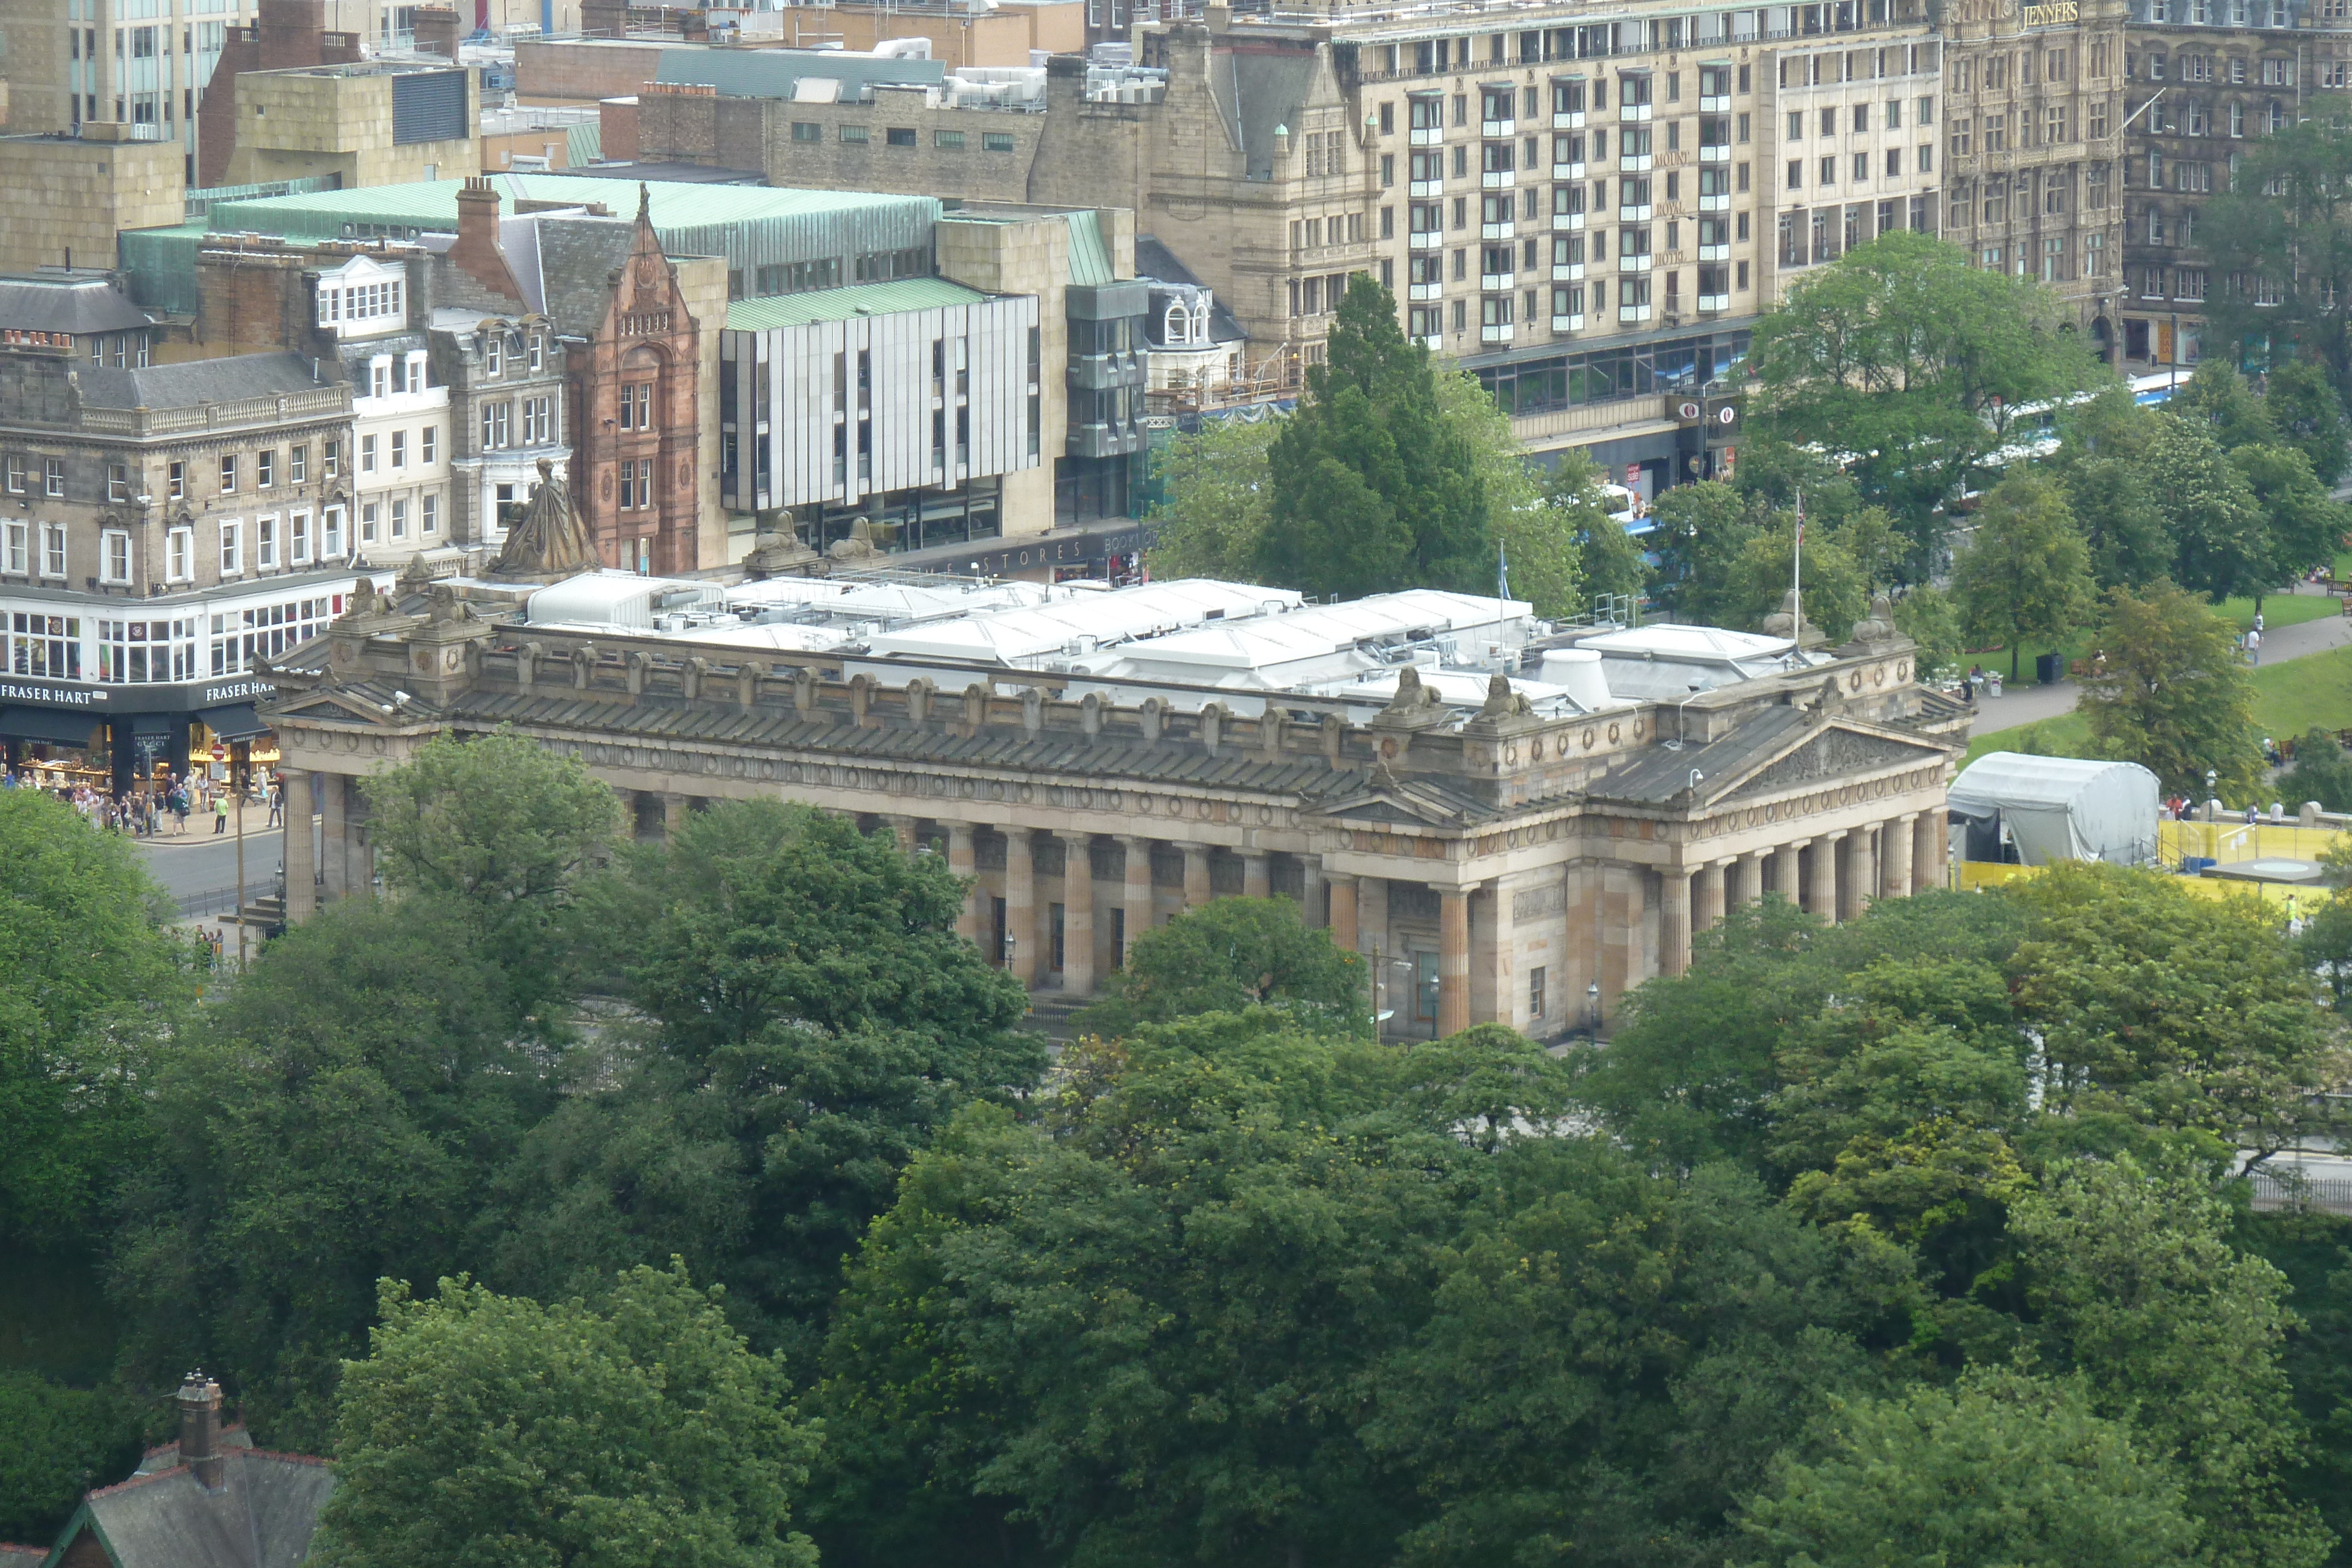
(2032, 704)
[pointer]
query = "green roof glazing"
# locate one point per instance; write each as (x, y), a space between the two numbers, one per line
(836, 304)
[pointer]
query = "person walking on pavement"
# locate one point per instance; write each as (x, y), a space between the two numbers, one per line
(220, 813)
(277, 802)
(2254, 646)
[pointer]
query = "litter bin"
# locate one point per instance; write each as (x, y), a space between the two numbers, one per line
(2048, 669)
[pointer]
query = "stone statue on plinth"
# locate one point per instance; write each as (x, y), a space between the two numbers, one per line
(550, 540)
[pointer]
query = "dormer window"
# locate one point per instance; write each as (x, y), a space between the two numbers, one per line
(494, 348)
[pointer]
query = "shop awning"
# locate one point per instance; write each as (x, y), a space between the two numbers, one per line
(158, 723)
(49, 725)
(237, 721)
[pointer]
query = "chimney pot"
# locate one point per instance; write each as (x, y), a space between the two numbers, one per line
(200, 1400)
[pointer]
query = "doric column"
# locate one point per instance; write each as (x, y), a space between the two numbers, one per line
(1494, 931)
(904, 828)
(674, 809)
(301, 853)
(1929, 863)
(1673, 920)
(1078, 914)
(1020, 902)
(1311, 903)
(1625, 897)
(966, 865)
(1712, 895)
(1196, 875)
(1787, 865)
(1453, 960)
(334, 824)
(1860, 883)
(1895, 854)
(1257, 880)
(1752, 867)
(1823, 901)
(1343, 910)
(1135, 894)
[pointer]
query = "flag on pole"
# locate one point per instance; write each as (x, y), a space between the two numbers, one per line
(1502, 573)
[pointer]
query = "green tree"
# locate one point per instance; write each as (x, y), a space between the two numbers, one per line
(2098, 461)
(56, 1443)
(816, 1019)
(482, 1423)
(1220, 500)
(2281, 242)
(1142, 1331)
(1836, 595)
(94, 982)
(2167, 689)
(1231, 954)
(1929, 618)
(2217, 397)
(2002, 1468)
(2170, 1009)
(1914, 358)
(2321, 772)
(1700, 532)
(2301, 527)
(1608, 559)
(1373, 487)
(760, 912)
(2026, 574)
(2326, 946)
(1541, 540)
(338, 1119)
(2309, 417)
(498, 826)
(2220, 548)
(2179, 1333)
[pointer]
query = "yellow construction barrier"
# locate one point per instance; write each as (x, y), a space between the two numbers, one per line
(2241, 841)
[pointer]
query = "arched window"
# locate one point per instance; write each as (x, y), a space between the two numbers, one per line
(1178, 328)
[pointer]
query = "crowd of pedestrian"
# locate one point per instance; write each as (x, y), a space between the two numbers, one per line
(163, 807)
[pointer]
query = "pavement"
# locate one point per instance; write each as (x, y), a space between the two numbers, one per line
(205, 863)
(2032, 704)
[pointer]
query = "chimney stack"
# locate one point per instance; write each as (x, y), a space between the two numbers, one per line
(200, 1400)
(478, 252)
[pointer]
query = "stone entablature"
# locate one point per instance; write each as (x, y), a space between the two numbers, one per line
(1527, 857)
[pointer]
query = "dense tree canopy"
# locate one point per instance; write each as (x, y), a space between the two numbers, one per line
(486, 1428)
(1915, 359)
(2025, 576)
(93, 981)
(2168, 689)
(1232, 954)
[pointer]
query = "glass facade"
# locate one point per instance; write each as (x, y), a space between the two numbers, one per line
(1557, 381)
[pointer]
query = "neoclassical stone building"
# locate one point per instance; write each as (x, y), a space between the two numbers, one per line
(1496, 861)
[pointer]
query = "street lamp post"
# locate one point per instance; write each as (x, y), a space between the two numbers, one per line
(1592, 1013)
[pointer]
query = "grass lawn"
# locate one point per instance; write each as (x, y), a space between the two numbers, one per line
(2278, 609)
(2290, 698)
(2068, 735)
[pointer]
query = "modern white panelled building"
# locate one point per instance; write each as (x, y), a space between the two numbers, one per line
(903, 403)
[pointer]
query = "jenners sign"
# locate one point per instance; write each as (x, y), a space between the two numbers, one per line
(2056, 14)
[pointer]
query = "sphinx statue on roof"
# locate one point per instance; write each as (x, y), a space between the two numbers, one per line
(548, 541)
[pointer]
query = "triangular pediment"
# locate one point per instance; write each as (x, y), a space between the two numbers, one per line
(330, 705)
(1396, 805)
(1837, 750)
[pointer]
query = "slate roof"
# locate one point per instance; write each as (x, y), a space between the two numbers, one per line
(1659, 775)
(577, 258)
(196, 383)
(263, 1516)
(57, 305)
(1155, 261)
(1051, 752)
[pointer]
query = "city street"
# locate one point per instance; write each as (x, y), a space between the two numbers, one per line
(196, 868)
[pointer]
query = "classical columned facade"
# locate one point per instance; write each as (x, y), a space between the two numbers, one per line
(1494, 864)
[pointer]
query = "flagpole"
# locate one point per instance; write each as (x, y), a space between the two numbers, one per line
(1502, 594)
(1796, 580)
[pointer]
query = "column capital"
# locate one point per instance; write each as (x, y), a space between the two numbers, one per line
(1835, 835)
(1343, 878)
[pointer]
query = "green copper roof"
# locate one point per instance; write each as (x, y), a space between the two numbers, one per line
(433, 204)
(837, 304)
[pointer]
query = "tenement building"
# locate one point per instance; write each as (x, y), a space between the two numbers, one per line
(2205, 78)
(1515, 847)
(159, 531)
